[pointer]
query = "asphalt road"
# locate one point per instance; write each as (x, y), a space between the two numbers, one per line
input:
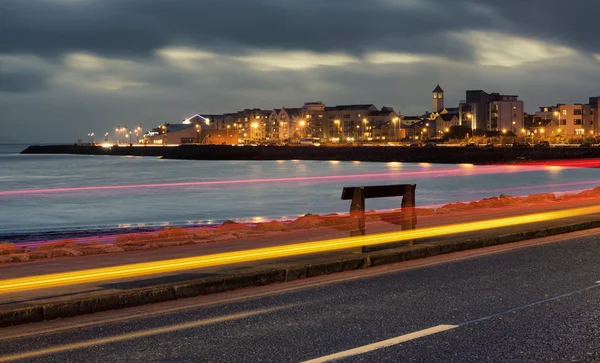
(535, 303)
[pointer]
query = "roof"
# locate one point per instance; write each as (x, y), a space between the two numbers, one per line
(349, 107)
(453, 110)
(438, 89)
(447, 116)
(178, 127)
(381, 113)
(293, 111)
(412, 118)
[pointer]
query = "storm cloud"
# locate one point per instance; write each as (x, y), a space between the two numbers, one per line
(90, 65)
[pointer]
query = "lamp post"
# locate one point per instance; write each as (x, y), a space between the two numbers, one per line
(470, 118)
(254, 133)
(394, 122)
(364, 130)
(302, 125)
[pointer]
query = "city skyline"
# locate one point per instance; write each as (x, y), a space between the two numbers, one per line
(168, 61)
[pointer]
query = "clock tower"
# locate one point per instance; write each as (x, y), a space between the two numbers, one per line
(438, 99)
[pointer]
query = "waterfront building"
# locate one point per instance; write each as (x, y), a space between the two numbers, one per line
(492, 112)
(348, 121)
(292, 124)
(317, 126)
(251, 124)
(578, 119)
(383, 125)
(423, 129)
(444, 122)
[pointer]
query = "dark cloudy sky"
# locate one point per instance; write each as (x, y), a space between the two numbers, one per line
(69, 67)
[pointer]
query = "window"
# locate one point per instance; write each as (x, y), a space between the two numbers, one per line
(577, 121)
(577, 112)
(545, 109)
(579, 131)
(564, 112)
(563, 122)
(346, 116)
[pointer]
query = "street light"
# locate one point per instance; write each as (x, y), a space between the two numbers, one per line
(365, 122)
(395, 121)
(337, 124)
(302, 124)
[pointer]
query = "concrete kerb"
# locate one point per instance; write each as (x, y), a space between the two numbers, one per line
(268, 276)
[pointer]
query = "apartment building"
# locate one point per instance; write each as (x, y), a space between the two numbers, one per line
(578, 120)
(348, 121)
(492, 112)
(383, 125)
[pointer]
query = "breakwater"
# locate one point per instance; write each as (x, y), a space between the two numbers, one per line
(439, 154)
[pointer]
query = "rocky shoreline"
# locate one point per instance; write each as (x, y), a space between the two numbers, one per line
(230, 230)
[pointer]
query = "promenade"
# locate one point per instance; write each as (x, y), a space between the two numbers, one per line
(114, 291)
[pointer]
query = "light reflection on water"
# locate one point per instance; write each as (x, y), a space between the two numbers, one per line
(251, 202)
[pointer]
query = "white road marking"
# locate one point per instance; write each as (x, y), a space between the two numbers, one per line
(383, 344)
(137, 335)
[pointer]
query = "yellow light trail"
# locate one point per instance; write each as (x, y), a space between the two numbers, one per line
(258, 254)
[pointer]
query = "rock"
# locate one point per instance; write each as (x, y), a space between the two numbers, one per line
(38, 255)
(592, 193)
(20, 257)
(231, 225)
(455, 206)
(173, 233)
(5, 259)
(65, 243)
(270, 226)
(136, 237)
(202, 233)
(95, 250)
(7, 248)
(304, 223)
(537, 198)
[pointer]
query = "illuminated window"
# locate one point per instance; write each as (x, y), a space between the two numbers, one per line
(577, 122)
(564, 112)
(579, 131)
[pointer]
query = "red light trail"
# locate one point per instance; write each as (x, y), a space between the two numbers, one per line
(415, 174)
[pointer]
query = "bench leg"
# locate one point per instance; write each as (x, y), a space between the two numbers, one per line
(357, 211)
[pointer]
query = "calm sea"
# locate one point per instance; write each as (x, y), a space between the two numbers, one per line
(61, 192)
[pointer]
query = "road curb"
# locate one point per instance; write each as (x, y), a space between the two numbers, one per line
(211, 285)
